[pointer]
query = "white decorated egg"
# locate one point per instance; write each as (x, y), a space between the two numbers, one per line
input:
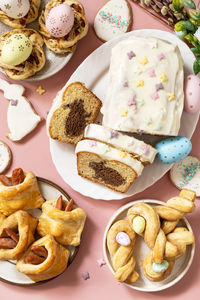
(60, 20)
(15, 9)
(16, 50)
(192, 94)
(173, 149)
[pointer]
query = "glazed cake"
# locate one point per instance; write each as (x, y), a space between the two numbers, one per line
(107, 165)
(144, 87)
(79, 107)
(140, 150)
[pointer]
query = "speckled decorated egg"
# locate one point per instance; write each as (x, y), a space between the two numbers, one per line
(60, 20)
(173, 149)
(15, 9)
(192, 94)
(16, 50)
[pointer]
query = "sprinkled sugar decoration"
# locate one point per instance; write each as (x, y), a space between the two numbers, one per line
(152, 73)
(163, 77)
(92, 143)
(145, 149)
(122, 154)
(116, 21)
(106, 149)
(159, 86)
(143, 61)
(14, 102)
(130, 55)
(171, 97)
(123, 112)
(155, 96)
(139, 83)
(131, 101)
(113, 134)
(161, 56)
(140, 102)
(148, 121)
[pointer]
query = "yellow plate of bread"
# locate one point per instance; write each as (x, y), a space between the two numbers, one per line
(148, 245)
(40, 229)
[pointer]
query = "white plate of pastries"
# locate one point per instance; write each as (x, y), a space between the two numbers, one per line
(35, 245)
(148, 252)
(95, 73)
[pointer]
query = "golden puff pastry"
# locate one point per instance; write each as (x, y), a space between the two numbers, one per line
(79, 30)
(34, 63)
(65, 226)
(19, 191)
(16, 234)
(45, 259)
(22, 22)
(122, 253)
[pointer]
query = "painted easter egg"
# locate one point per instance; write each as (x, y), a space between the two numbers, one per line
(123, 239)
(16, 49)
(192, 94)
(139, 224)
(15, 9)
(60, 20)
(173, 149)
(160, 268)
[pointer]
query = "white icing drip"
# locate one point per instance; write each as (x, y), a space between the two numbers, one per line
(21, 117)
(121, 141)
(109, 153)
(165, 114)
(112, 19)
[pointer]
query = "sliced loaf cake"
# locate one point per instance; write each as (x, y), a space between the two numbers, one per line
(140, 150)
(107, 165)
(79, 108)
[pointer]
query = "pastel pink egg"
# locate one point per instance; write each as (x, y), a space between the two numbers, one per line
(192, 94)
(60, 20)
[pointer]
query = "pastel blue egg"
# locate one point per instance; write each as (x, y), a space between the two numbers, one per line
(160, 268)
(173, 149)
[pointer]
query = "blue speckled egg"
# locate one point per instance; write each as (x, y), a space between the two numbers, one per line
(173, 149)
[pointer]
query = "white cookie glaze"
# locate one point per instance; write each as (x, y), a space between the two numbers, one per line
(109, 153)
(21, 117)
(185, 174)
(5, 157)
(112, 19)
(144, 87)
(121, 141)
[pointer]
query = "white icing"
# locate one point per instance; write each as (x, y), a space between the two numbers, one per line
(4, 157)
(21, 117)
(109, 153)
(185, 174)
(121, 141)
(112, 19)
(159, 116)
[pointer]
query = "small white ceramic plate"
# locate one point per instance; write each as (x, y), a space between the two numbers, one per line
(93, 73)
(54, 62)
(8, 270)
(181, 265)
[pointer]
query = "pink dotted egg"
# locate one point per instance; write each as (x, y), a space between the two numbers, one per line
(60, 20)
(192, 94)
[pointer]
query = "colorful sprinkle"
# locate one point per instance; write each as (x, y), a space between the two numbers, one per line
(124, 112)
(113, 134)
(148, 121)
(155, 96)
(163, 77)
(153, 45)
(14, 102)
(85, 275)
(122, 154)
(143, 61)
(152, 73)
(101, 262)
(106, 149)
(131, 54)
(125, 84)
(139, 83)
(140, 102)
(159, 86)
(171, 96)
(160, 56)
(40, 90)
(158, 127)
(92, 143)
(131, 101)
(115, 21)
(136, 69)
(145, 149)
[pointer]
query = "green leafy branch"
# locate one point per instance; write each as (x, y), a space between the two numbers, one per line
(189, 29)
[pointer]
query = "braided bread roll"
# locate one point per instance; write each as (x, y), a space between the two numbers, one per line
(122, 256)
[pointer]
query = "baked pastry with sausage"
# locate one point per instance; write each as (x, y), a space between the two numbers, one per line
(44, 259)
(63, 220)
(18, 14)
(19, 191)
(16, 234)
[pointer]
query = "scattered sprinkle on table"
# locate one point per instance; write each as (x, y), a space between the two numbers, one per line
(40, 90)
(85, 275)
(101, 262)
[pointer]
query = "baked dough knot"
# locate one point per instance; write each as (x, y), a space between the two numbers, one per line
(22, 22)
(79, 30)
(165, 240)
(122, 256)
(33, 64)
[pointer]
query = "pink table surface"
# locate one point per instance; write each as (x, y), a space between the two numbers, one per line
(33, 154)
